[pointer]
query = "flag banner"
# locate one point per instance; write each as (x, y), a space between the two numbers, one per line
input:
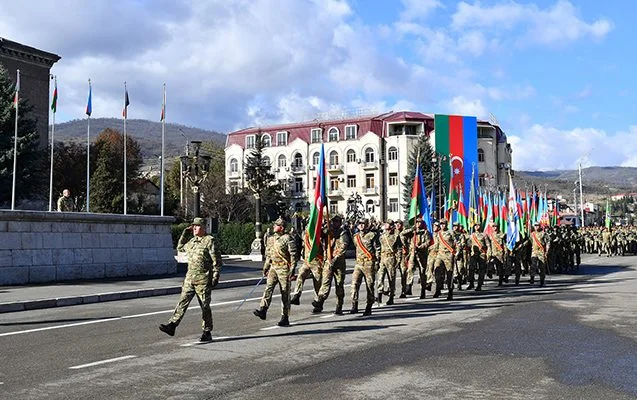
(488, 220)
(126, 103)
(607, 219)
(419, 204)
(315, 222)
(474, 217)
(513, 233)
(54, 102)
(89, 103)
(456, 137)
(16, 97)
(463, 219)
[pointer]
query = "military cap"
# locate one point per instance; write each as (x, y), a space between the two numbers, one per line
(363, 221)
(336, 218)
(199, 221)
(437, 223)
(280, 221)
(390, 222)
(443, 221)
(456, 223)
(400, 221)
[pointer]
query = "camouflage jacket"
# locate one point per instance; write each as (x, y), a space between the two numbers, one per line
(390, 245)
(539, 245)
(281, 252)
(479, 245)
(66, 204)
(204, 259)
(367, 248)
(498, 246)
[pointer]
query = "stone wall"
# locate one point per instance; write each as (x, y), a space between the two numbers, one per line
(40, 247)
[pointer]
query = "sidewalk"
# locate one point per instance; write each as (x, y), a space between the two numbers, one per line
(235, 273)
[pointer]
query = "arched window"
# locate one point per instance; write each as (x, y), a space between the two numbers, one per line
(369, 155)
(480, 155)
(392, 154)
(298, 160)
(369, 206)
(333, 157)
(333, 134)
(351, 156)
(315, 158)
(234, 165)
(266, 161)
(282, 161)
(266, 140)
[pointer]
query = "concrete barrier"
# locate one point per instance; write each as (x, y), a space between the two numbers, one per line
(38, 247)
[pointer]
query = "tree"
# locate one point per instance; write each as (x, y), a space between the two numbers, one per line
(107, 182)
(69, 170)
(429, 168)
(30, 176)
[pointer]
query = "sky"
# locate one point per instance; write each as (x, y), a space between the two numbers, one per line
(557, 75)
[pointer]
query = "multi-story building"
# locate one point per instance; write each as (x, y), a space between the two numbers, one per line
(367, 156)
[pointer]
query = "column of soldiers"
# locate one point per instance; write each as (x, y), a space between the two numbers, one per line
(610, 242)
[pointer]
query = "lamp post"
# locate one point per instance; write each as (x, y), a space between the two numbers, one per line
(354, 207)
(196, 169)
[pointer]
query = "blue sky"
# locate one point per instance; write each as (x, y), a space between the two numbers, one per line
(558, 75)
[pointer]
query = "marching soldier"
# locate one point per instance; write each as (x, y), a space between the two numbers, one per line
(204, 267)
(443, 265)
(539, 243)
(279, 268)
(479, 249)
(336, 268)
(390, 247)
(419, 241)
(366, 264)
(312, 268)
(497, 255)
(432, 252)
(460, 268)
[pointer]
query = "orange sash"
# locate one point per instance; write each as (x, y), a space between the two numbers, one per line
(495, 242)
(477, 243)
(447, 245)
(537, 242)
(361, 246)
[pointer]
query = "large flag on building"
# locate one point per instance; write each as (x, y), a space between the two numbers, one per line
(419, 204)
(513, 233)
(315, 222)
(456, 137)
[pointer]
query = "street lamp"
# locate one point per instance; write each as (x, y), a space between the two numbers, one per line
(354, 207)
(196, 169)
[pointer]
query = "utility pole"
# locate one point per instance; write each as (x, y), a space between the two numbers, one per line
(581, 198)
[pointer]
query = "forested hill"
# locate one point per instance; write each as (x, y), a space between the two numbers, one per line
(147, 133)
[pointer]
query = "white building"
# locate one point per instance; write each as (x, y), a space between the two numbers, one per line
(364, 155)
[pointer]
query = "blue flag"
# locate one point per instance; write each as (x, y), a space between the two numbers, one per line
(89, 104)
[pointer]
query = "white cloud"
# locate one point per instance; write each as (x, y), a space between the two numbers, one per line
(463, 106)
(418, 9)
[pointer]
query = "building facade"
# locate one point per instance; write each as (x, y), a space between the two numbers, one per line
(364, 156)
(35, 77)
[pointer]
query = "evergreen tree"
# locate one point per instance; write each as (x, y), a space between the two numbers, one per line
(30, 174)
(429, 170)
(69, 170)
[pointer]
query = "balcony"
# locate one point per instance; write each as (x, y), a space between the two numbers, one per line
(293, 194)
(335, 193)
(370, 191)
(369, 165)
(335, 168)
(298, 169)
(234, 174)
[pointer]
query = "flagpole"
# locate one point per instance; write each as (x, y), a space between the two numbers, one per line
(125, 117)
(15, 140)
(52, 144)
(163, 133)
(581, 197)
(89, 110)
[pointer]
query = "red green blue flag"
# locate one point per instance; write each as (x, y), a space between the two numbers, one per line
(419, 204)
(315, 222)
(54, 102)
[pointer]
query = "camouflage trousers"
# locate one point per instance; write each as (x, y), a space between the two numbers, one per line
(280, 276)
(443, 271)
(387, 268)
(313, 269)
(477, 263)
(338, 273)
(363, 271)
(188, 291)
(537, 265)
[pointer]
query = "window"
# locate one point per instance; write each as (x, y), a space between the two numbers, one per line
(298, 185)
(332, 135)
(333, 157)
(334, 183)
(480, 155)
(283, 184)
(333, 207)
(315, 158)
(234, 187)
(393, 179)
(316, 135)
(369, 206)
(351, 181)
(350, 132)
(282, 139)
(369, 181)
(369, 155)
(392, 154)
(282, 161)
(314, 182)
(266, 140)
(482, 182)
(351, 156)
(250, 141)
(393, 205)
(234, 165)
(266, 161)
(298, 160)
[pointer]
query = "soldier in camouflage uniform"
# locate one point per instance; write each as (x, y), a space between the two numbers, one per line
(498, 254)
(539, 243)
(419, 241)
(460, 267)
(401, 255)
(479, 250)
(65, 203)
(279, 268)
(312, 269)
(339, 242)
(367, 252)
(432, 252)
(520, 259)
(606, 241)
(390, 248)
(204, 267)
(443, 265)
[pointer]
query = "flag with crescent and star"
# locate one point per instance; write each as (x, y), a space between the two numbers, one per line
(456, 138)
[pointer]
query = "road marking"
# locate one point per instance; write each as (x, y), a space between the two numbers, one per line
(214, 339)
(269, 328)
(327, 316)
(110, 360)
(99, 321)
(1, 383)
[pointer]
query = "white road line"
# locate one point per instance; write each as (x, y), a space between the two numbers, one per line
(98, 321)
(101, 362)
(1, 383)
(327, 316)
(214, 339)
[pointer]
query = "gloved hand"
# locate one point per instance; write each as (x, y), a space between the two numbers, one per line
(215, 281)
(265, 271)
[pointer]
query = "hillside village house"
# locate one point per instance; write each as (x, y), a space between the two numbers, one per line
(365, 155)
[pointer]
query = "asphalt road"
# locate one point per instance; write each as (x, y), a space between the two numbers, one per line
(573, 339)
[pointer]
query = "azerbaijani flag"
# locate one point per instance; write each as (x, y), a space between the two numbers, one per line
(89, 103)
(456, 137)
(54, 102)
(126, 102)
(315, 222)
(419, 205)
(463, 219)
(16, 98)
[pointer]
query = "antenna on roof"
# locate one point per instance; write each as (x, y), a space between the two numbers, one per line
(493, 120)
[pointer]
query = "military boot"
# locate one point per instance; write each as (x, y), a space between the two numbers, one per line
(318, 306)
(368, 310)
(339, 309)
(450, 294)
(541, 281)
(206, 336)
(459, 284)
(379, 299)
(422, 292)
(285, 321)
(390, 301)
(168, 329)
(296, 299)
(437, 292)
(408, 290)
(471, 286)
(261, 312)
(428, 286)
(402, 295)
(354, 308)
